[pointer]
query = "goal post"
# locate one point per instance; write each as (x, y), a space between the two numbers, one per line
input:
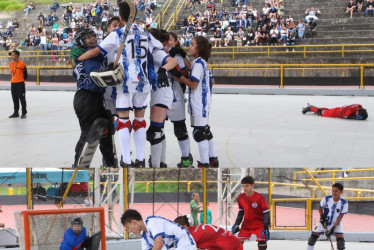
(41, 229)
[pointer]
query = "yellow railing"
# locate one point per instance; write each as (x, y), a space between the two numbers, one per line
(333, 172)
(39, 54)
(170, 23)
(178, 9)
(165, 7)
(158, 20)
(282, 67)
(299, 49)
(308, 212)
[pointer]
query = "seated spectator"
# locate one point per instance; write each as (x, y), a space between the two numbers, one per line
(41, 19)
(181, 40)
(116, 9)
(43, 42)
(184, 26)
(192, 29)
(239, 36)
(273, 11)
(351, 7)
(369, 8)
(200, 32)
(250, 18)
(312, 31)
(312, 13)
(49, 42)
(240, 23)
(257, 36)
(15, 23)
(264, 38)
(265, 11)
(10, 25)
(291, 40)
(99, 35)
(32, 28)
(274, 35)
(8, 33)
(188, 39)
(274, 20)
(217, 25)
(269, 27)
(40, 29)
(54, 6)
(213, 13)
(217, 38)
(291, 26)
(359, 5)
(284, 35)
(212, 23)
(232, 23)
(224, 24)
(228, 36)
(54, 18)
(29, 7)
(300, 29)
(250, 36)
(191, 19)
(8, 43)
(288, 19)
(27, 41)
(260, 22)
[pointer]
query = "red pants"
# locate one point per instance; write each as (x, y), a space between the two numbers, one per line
(326, 112)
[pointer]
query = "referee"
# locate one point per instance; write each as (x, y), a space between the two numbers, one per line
(19, 71)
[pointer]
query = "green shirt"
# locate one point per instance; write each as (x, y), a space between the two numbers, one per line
(208, 217)
(194, 212)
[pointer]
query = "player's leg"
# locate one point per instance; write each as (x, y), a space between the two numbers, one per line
(213, 159)
(229, 241)
(123, 126)
(203, 145)
(318, 111)
(106, 143)
(317, 231)
(139, 124)
(261, 242)
(340, 242)
(155, 133)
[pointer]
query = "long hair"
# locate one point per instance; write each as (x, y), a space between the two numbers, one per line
(203, 47)
(176, 39)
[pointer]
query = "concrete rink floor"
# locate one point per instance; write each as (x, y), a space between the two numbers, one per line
(249, 131)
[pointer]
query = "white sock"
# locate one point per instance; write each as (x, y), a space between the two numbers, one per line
(211, 148)
(125, 141)
(156, 150)
(140, 139)
(185, 147)
(310, 247)
(204, 151)
(163, 151)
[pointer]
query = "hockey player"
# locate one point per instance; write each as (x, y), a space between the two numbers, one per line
(157, 232)
(199, 100)
(88, 100)
(210, 237)
(332, 208)
(75, 236)
(353, 111)
(177, 112)
(256, 213)
(133, 93)
(161, 98)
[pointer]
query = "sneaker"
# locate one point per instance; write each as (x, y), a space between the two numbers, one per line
(110, 164)
(126, 165)
(293, 50)
(306, 109)
(202, 165)
(186, 162)
(23, 116)
(287, 50)
(139, 164)
(14, 115)
(213, 162)
(225, 45)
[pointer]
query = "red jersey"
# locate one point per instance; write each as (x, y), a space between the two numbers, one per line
(214, 238)
(254, 207)
(342, 112)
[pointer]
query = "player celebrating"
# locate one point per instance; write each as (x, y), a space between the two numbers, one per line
(332, 208)
(210, 237)
(177, 112)
(354, 111)
(157, 232)
(199, 100)
(133, 93)
(255, 210)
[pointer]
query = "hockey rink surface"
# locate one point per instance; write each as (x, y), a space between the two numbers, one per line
(249, 131)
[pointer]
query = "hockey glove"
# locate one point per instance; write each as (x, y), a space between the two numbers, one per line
(175, 72)
(77, 52)
(323, 221)
(177, 51)
(235, 228)
(330, 232)
(265, 233)
(162, 78)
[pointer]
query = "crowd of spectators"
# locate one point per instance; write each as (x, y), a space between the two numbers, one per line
(246, 25)
(360, 6)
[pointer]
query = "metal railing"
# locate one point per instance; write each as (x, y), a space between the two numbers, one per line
(170, 23)
(282, 67)
(299, 49)
(165, 8)
(38, 54)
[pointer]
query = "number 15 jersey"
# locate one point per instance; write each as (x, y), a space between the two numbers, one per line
(136, 57)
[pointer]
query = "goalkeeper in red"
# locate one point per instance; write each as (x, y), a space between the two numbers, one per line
(210, 237)
(353, 111)
(255, 211)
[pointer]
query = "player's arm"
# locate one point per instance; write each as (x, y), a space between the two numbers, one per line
(159, 243)
(89, 54)
(187, 63)
(238, 221)
(170, 63)
(192, 84)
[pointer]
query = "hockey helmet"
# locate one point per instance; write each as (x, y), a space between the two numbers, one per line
(81, 35)
(76, 221)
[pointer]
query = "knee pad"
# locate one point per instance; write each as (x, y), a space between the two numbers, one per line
(262, 245)
(199, 134)
(340, 243)
(155, 135)
(208, 133)
(312, 239)
(121, 125)
(180, 130)
(139, 124)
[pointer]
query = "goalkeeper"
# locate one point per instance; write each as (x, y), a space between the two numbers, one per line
(88, 100)
(75, 237)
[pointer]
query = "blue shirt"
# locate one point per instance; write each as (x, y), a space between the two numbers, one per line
(71, 240)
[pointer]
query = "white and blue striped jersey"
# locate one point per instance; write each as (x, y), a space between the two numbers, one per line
(177, 89)
(332, 209)
(200, 98)
(159, 57)
(136, 57)
(173, 235)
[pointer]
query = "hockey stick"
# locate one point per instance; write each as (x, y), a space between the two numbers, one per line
(328, 237)
(114, 75)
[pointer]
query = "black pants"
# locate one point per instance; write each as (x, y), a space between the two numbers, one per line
(18, 91)
(88, 106)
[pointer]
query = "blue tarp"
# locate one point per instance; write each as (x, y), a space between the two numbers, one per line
(44, 176)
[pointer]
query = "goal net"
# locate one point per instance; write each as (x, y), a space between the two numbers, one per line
(44, 229)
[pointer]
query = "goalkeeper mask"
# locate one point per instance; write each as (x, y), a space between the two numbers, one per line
(81, 35)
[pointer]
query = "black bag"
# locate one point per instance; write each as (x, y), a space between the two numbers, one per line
(25, 74)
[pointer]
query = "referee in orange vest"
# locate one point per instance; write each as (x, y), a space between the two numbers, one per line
(19, 74)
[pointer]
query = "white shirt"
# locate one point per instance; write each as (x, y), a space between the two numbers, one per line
(333, 209)
(200, 98)
(134, 58)
(171, 233)
(159, 57)
(177, 89)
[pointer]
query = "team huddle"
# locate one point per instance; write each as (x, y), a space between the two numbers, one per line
(154, 63)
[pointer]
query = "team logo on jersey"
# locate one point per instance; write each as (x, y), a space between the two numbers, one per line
(338, 210)
(254, 204)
